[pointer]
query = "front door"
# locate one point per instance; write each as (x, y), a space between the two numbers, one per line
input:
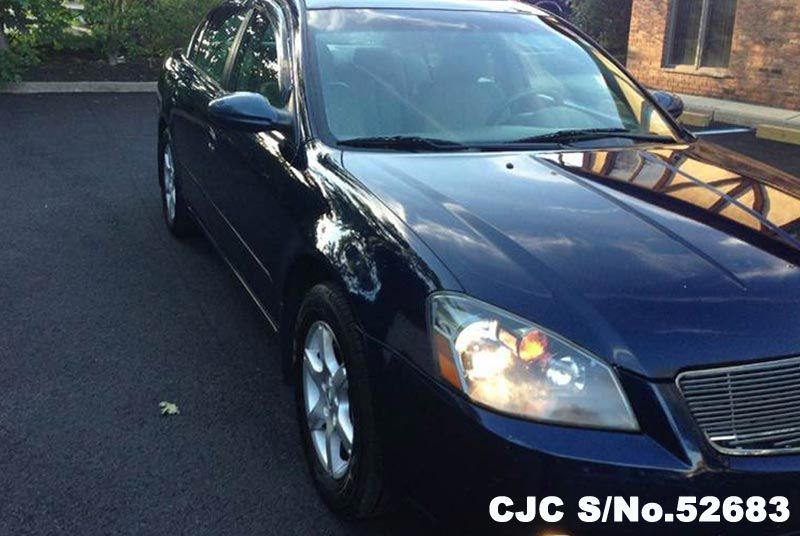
(257, 166)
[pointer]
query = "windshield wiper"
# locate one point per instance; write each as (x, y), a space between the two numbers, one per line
(405, 143)
(575, 135)
(419, 143)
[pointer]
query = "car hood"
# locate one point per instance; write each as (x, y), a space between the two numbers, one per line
(657, 259)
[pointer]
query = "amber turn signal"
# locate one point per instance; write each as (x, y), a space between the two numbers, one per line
(532, 346)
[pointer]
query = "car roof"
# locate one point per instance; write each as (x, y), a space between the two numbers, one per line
(504, 6)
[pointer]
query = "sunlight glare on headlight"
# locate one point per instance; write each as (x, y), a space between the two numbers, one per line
(516, 367)
(485, 356)
(565, 371)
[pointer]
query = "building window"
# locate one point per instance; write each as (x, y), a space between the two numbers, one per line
(702, 32)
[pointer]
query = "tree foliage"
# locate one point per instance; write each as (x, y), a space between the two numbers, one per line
(143, 27)
(130, 28)
(26, 25)
(111, 22)
(169, 25)
(43, 19)
(607, 21)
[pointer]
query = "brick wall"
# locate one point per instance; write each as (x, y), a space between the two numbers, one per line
(765, 54)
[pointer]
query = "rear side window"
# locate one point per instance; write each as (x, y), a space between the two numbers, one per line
(258, 66)
(216, 40)
(194, 44)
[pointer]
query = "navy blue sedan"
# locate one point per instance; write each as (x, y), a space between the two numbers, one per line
(496, 264)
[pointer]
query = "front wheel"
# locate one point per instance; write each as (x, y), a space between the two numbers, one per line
(176, 213)
(334, 406)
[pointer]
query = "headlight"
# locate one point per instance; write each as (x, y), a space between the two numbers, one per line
(516, 367)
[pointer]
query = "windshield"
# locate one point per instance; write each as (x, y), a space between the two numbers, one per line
(466, 77)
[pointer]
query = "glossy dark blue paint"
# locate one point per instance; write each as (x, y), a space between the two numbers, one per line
(561, 8)
(249, 112)
(463, 456)
(606, 246)
(650, 287)
(670, 102)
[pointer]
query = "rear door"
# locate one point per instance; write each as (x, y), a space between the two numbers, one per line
(194, 137)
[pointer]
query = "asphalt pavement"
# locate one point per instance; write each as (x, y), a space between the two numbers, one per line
(103, 316)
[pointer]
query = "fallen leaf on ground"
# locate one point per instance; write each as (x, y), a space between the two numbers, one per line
(168, 408)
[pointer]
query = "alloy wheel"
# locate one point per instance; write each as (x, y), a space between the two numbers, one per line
(327, 400)
(170, 193)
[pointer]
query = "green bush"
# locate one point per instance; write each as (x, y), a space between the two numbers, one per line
(25, 26)
(44, 20)
(607, 21)
(143, 28)
(169, 25)
(112, 23)
(14, 61)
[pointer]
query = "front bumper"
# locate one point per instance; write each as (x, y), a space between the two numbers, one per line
(454, 457)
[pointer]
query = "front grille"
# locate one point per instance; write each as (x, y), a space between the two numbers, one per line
(749, 409)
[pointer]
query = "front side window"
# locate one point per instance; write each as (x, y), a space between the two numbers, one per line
(702, 32)
(467, 77)
(215, 42)
(258, 65)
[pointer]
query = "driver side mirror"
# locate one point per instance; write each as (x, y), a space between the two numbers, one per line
(671, 102)
(249, 112)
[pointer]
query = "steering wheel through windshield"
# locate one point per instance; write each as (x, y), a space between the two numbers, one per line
(542, 102)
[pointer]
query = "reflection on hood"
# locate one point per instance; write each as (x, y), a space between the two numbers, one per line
(757, 198)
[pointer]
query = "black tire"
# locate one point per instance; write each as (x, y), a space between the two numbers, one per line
(180, 223)
(360, 492)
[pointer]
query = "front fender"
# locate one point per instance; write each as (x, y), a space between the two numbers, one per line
(385, 269)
